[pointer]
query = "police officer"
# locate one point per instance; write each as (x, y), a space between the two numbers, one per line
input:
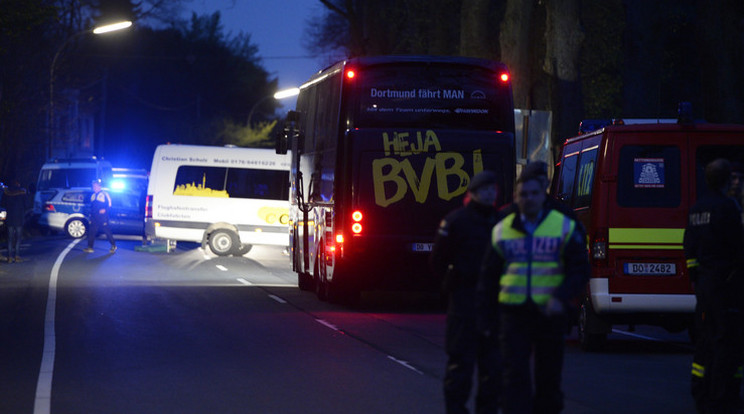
(714, 246)
(458, 249)
(536, 266)
(100, 204)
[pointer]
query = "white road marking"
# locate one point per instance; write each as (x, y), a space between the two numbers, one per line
(648, 338)
(243, 281)
(223, 268)
(405, 364)
(327, 324)
(277, 298)
(42, 403)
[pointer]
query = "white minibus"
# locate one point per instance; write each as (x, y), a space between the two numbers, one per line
(227, 198)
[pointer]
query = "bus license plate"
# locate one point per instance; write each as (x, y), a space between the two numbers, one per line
(650, 269)
(422, 247)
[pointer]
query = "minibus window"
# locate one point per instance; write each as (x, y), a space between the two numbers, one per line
(649, 176)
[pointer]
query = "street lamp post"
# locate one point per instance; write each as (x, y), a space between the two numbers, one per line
(287, 93)
(96, 30)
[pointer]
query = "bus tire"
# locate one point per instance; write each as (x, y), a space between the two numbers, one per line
(223, 242)
(591, 329)
(321, 285)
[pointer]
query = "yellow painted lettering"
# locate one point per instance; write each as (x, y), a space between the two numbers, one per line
(419, 186)
(431, 139)
(387, 143)
(380, 178)
(443, 172)
(477, 162)
(401, 139)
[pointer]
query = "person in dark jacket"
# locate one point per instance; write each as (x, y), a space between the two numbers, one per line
(100, 205)
(536, 266)
(714, 248)
(15, 201)
(460, 242)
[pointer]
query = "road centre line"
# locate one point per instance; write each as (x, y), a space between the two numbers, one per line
(327, 324)
(277, 298)
(243, 281)
(405, 364)
(43, 401)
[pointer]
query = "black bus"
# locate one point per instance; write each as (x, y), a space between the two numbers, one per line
(382, 148)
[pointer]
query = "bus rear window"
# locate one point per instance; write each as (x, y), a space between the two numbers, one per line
(649, 176)
(432, 96)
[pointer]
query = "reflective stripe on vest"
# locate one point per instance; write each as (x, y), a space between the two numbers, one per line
(534, 267)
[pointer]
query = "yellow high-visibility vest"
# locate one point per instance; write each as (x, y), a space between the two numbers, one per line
(534, 264)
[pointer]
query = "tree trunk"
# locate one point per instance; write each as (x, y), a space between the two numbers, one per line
(515, 48)
(563, 39)
(474, 28)
(717, 48)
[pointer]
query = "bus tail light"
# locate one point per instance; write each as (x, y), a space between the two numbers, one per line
(356, 226)
(350, 74)
(504, 77)
(334, 245)
(148, 206)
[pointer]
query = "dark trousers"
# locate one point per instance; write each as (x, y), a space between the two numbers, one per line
(14, 240)
(102, 226)
(526, 330)
(717, 350)
(466, 350)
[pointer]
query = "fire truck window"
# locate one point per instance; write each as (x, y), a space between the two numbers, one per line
(707, 153)
(567, 177)
(583, 195)
(649, 176)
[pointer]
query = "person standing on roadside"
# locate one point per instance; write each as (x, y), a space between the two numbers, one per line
(15, 201)
(536, 265)
(100, 204)
(456, 256)
(714, 248)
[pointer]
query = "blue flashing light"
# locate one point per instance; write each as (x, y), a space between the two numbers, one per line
(118, 185)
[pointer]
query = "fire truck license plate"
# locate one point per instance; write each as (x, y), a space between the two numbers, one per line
(650, 269)
(422, 247)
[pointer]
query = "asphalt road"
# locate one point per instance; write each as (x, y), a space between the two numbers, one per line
(189, 332)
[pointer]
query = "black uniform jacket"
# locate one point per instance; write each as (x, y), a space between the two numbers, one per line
(715, 238)
(462, 238)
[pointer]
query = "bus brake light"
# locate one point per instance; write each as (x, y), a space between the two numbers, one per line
(356, 228)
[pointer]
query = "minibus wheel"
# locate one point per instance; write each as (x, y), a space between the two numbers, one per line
(243, 249)
(223, 242)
